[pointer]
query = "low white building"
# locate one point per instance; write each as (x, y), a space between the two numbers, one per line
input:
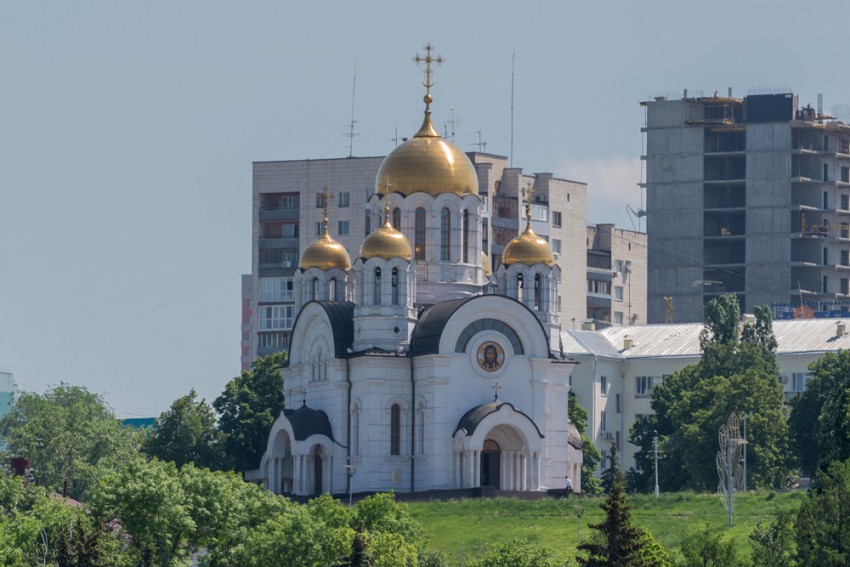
(619, 366)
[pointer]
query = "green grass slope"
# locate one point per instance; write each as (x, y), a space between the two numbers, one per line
(458, 528)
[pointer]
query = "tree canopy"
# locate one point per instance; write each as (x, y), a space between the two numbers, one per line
(247, 409)
(65, 433)
(186, 433)
(734, 375)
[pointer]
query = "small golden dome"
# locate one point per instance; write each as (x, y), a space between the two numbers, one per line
(325, 253)
(485, 262)
(429, 164)
(528, 249)
(386, 243)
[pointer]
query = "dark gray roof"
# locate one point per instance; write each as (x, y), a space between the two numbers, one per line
(574, 437)
(306, 421)
(429, 328)
(471, 419)
(341, 316)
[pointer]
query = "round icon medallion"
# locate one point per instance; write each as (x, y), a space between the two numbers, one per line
(490, 356)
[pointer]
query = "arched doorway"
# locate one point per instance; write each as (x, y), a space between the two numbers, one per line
(317, 472)
(490, 463)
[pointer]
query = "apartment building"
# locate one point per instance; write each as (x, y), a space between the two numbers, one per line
(287, 214)
(616, 276)
(748, 196)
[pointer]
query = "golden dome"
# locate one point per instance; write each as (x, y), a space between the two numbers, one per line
(528, 249)
(485, 262)
(325, 253)
(386, 243)
(429, 164)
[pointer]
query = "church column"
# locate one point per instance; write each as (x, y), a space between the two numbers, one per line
(509, 466)
(275, 482)
(467, 469)
(523, 462)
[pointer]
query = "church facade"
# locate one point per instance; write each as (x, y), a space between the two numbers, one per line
(415, 367)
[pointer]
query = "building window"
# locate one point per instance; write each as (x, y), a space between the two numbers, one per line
(603, 421)
(603, 385)
(395, 286)
(465, 237)
(845, 286)
(320, 200)
(845, 178)
(556, 219)
(556, 246)
(344, 200)
(445, 234)
(319, 228)
(397, 218)
(395, 430)
(618, 292)
(845, 230)
(618, 403)
(845, 258)
(800, 380)
(825, 256)
(276, 317)
(276, 340)
(845, 202)
(376, 298)
(289, 230)
(343, 228)
(643, 386)
(276, 289)
(618, 317)
(419, 234)
(597, 286)
(368, 225)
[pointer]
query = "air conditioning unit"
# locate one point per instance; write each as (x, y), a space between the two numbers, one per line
(606, 435)
(286, 264)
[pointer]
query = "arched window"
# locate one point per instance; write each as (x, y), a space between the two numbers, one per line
(332, 290)
(538, 302)
(314, 288)
(395, 286)
(420, 429)
(519, 289)
(397, 218)
(377, 296)
(395, 430)
(465, 241)
(445, 234)
(419, 234)
(368, 224)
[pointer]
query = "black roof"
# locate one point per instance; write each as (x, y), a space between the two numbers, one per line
(306, 421)
(429, 328)
(471, 419)
(341, 316)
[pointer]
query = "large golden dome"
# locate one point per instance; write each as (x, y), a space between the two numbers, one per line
(429, 164)
(325, 253)
(528, 249)
(386, 243)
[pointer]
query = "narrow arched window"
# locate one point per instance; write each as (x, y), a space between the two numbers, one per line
(445, 234)
(355, 430)
(465, 242)
(377, 295)
(332, 290)
(395, 430)
(395, 286)
(519, 289)
(420, 426)
(419, 234)
(538, 302)
(314, 288)
(397, 218)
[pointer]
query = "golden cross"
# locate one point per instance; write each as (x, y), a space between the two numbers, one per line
(327, 197)
(428, 59)
(387, 201)
(496, 388)
(529, 190)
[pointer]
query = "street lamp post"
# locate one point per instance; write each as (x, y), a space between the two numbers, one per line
(655, 450)
(578, 510)
(744, 475)
(350, 469)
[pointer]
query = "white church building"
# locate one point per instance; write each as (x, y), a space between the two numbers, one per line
(414, 368)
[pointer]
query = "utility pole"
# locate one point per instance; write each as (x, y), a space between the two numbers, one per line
(350, 469)
(744, 475)
(655, 450)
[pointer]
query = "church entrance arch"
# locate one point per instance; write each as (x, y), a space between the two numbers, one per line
(280, 464)
(318, 461)
(490, 463)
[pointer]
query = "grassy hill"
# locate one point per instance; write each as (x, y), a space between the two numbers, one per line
(457, 528)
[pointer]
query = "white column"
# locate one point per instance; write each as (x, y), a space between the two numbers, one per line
(523, 462)
(509, 469)
(476, 468)
(330, 476)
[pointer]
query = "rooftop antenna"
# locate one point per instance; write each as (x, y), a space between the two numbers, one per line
(513, 66)
(351, 133)
(482, 146)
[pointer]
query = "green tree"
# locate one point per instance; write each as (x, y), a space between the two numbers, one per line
(618, 543)
(381, 513)
(247, 408)
(515, 553)
(705, 548)
(827, 400)
(732, 376)
(773, 541)
(65, 433)
(823, 522)
(652, 553)
(186, 433)
(591, 455)
(147, 498)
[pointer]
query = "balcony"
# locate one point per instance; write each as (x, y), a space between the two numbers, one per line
(278, 214)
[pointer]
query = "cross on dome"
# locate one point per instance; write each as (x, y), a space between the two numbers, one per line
(428, 59)
(496, 388)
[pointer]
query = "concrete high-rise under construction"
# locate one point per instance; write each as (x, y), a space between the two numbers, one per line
(747, 196)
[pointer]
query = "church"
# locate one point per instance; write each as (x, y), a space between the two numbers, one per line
(415, 367)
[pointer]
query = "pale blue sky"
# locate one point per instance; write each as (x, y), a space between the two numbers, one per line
(127, 132)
